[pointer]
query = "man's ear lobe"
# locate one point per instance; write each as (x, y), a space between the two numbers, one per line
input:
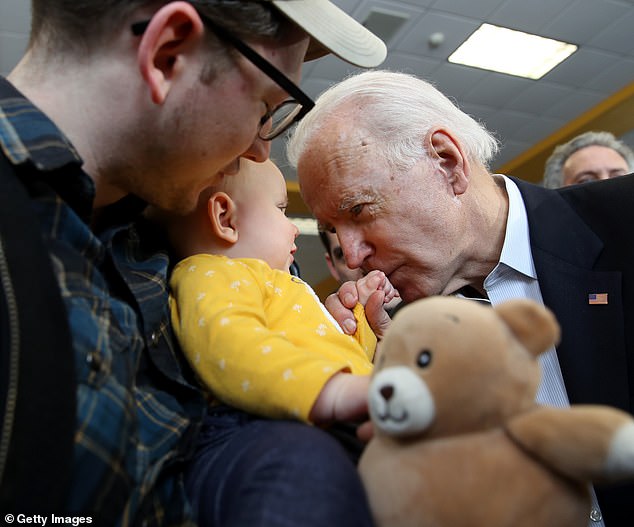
(448, 152)
(222, 215)
(173, 31)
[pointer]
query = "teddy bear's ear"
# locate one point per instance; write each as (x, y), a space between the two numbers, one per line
(533, 325)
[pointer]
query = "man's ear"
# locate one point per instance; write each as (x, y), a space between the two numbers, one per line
(221, 210)
(448, 153)
(174, 30)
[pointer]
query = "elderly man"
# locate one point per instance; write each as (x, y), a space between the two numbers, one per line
(400, 173)
(591, 156)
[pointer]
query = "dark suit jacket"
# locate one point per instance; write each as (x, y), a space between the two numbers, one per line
(582, 241)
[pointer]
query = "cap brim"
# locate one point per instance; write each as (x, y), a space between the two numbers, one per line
(334, 31)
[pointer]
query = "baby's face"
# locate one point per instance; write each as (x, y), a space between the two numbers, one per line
(264, 230)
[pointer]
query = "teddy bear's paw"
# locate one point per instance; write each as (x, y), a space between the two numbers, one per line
(620, 461)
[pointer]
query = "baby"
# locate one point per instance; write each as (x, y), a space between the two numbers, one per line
(258, 338)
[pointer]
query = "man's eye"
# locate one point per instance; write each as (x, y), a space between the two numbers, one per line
(356, 209)
(586, 179)
(282, 208)
(337, 252)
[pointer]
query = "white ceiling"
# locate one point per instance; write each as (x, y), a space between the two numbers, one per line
(521, 112)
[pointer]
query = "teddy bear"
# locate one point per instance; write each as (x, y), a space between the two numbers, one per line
(458, 437)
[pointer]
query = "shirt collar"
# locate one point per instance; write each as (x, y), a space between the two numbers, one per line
(26, 134)
(516, 251)
(29, 138)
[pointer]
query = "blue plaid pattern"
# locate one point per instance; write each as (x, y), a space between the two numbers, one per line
(138, 410)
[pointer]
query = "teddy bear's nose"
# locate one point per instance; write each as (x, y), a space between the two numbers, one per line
(387, 392)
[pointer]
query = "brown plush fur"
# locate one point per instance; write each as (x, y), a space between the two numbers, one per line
(459, 439)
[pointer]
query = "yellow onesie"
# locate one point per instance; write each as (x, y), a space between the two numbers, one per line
(259, 338)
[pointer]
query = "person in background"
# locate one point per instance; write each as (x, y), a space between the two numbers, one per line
(335, 261)
(420, 204)
(591, 156)
(116, 105)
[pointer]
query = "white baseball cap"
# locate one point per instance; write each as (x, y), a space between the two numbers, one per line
(334, 31)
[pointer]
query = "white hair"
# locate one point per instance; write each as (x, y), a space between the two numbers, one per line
(397, 110)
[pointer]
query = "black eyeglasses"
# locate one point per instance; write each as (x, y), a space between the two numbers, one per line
(285, 114)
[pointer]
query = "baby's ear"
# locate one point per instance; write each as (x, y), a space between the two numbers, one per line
(222, 215)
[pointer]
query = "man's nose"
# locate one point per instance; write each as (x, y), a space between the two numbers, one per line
(355, 249)
(259, 150)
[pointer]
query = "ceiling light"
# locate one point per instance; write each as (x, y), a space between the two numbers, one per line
(512, 52)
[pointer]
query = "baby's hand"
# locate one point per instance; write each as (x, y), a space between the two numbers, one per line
(373, 292)
(375, 281)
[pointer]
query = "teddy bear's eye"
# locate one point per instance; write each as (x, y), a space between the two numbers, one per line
(424, 359)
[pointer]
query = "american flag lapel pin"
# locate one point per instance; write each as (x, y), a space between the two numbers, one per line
(597, 299)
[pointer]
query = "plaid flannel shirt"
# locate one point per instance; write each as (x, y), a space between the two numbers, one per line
(137, 409)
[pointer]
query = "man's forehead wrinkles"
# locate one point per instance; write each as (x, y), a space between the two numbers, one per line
(348, 151)
(341, 163)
